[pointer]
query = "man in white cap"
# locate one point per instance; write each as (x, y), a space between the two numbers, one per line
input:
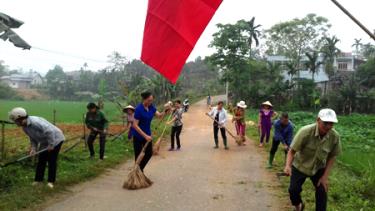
(312, 155)
(44, 135)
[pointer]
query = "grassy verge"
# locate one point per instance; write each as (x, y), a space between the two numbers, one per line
(74, 167)
(352, 185)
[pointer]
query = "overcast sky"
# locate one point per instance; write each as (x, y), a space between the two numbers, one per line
(89, 30)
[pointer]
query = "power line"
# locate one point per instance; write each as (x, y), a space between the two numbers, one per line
(69, 55)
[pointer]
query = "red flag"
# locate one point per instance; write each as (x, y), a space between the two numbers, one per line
(172, 29)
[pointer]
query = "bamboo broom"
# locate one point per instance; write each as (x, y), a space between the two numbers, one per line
(156, 148)
(136, 178)
(238, 139)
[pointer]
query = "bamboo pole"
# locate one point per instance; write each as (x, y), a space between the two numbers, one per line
(354, 19)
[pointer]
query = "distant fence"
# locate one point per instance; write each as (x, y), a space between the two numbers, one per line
(69, 144)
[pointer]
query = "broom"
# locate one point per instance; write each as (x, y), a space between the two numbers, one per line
(158, 142)
(136, 178)
(236, 138)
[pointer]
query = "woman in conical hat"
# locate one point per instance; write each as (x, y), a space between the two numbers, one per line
(129, 111)
(266, 114)
(239, 121)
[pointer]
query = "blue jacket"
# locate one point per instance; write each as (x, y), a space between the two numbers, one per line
(283, 133)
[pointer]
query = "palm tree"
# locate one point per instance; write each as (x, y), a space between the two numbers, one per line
(313, 64)
(357, 45)
(292, 70)
(330, 52)
(254, 33)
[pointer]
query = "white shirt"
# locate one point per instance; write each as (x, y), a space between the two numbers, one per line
(222, 115)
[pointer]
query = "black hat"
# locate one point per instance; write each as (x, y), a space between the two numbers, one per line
(92, 105)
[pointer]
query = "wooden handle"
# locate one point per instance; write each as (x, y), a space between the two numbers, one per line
(230, 133)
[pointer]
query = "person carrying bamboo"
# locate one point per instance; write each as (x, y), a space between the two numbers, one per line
(312, 154)
(141, 130)
(283, 133)
(239, 121)
(45, 138)
(177, 124)
(98, 125)
(129, 111)
(266, 114)
(219, 114)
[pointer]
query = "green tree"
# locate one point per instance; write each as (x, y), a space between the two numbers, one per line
(313, 63)
(330, 52)
(254, 33)
(3, 68)
(368, 51)
(357, 45)
(232, 55)
(56, 82)
(296, 37)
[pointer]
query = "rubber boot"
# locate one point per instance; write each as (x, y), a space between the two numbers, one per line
(270, 161)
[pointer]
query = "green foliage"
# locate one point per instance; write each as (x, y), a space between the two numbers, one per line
(7, 93)
(352, 181)
(295, 37)
(330, 52)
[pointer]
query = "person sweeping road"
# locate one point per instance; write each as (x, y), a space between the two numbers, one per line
(45, 137)
(239, 121)
(98, 125)
(266, 114)
(141, 130)
(283, 133)
(219, 114)
(177, 124)
(313, 152)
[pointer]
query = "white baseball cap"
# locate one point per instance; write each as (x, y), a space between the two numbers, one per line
(327, 115)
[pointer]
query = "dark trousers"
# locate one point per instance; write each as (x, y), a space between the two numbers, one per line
(176, 131)
(223, 135)
(138, 146)
(266, 132)
(90, 143)
(275, 146)
(295, 188)
(50, 158)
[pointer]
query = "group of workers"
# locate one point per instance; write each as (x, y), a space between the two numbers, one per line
(310, 153)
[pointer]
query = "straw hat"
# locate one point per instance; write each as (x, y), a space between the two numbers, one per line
(127, 108)
(267, 103)
(168, 104)
(242, 104)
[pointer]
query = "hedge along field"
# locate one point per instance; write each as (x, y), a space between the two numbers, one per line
(352, 181)
(66, 111)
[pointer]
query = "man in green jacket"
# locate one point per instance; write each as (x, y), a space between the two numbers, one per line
(313, 152)
(98, 124)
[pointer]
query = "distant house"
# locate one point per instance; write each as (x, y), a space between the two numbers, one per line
(23, 81)
(345, 62)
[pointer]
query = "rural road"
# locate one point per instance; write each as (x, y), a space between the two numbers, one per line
(198, 177)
